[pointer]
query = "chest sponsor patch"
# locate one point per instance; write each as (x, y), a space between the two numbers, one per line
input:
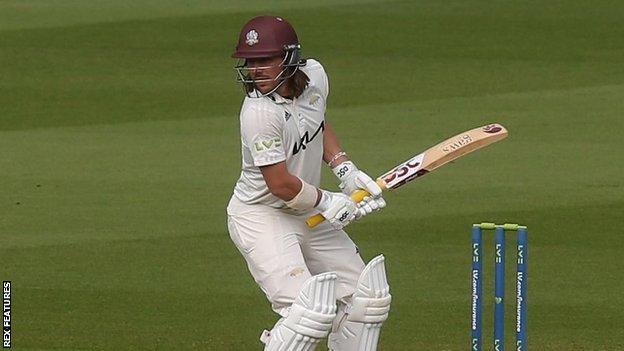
(306, 138)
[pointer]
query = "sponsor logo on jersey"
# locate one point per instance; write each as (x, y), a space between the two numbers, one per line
(263, 145)
(314, 100)
(306, 139)
(287, 115)
(295, 272)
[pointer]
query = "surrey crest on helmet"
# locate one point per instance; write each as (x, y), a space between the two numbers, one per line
(252, 37)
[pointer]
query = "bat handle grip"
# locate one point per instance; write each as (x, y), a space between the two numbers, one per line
(317, 219)
(359, 195)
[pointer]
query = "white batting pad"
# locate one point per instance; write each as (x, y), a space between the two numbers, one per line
(309, 319)
(359, 329)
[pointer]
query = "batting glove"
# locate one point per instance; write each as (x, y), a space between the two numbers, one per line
(369, 205)
(352, 179)
(338, 209)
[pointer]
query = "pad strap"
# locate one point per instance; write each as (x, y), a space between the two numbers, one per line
(369, 309)
(309, 323)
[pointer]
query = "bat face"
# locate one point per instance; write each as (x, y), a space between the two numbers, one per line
(442, 153)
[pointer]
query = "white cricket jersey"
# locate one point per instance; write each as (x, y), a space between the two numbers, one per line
(274, 129)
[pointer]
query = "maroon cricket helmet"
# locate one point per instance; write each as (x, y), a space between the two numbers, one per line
(266, 36)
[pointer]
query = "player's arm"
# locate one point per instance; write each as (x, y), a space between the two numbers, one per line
(280, 182)
(299, 195)
(332, 152)
(351, 178)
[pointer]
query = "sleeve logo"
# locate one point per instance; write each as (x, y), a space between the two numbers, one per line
(264, 145)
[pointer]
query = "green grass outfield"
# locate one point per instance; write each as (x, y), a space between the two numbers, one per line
(119, 149)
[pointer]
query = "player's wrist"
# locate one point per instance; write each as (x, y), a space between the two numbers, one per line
(337, 159)
(328, 199)
(323, 200)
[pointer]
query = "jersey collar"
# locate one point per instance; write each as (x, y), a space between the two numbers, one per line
(278, 99)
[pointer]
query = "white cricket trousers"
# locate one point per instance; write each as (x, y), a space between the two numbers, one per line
(282, 252)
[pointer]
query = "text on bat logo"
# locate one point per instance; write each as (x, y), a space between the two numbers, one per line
(457, 143)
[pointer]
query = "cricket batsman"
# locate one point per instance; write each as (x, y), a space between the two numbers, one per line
(314, 278)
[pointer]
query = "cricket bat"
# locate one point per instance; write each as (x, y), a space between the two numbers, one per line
(434, 157)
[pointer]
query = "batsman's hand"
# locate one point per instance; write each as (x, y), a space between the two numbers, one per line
(369, 205)
(337, 208)
(352, 179)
